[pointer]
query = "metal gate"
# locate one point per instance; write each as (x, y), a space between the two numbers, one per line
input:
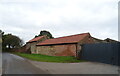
(102, 52)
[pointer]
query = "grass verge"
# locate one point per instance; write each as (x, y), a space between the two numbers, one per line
(46, 58)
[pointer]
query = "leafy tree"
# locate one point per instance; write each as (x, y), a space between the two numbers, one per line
(46, 33)
(11, 41)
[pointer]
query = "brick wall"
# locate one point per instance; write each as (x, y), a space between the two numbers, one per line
(87, 39)
(58, 50)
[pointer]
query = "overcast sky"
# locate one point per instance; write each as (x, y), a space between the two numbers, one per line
(26, 18)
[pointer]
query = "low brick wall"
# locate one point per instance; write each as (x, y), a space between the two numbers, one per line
(58, 50)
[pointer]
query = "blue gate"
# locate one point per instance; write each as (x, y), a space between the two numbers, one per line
(102, 52)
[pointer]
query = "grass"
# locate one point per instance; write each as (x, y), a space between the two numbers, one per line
(46, 58)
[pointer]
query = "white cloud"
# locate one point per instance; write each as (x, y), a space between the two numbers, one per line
(26, 18)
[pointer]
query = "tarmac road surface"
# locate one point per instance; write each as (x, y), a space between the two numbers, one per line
(13, 64)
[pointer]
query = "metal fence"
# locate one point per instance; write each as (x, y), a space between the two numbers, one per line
(102, 52)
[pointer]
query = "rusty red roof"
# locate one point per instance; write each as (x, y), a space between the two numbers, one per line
(66, 39)
(35, 39)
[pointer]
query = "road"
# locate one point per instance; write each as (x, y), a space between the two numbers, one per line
(13, 64)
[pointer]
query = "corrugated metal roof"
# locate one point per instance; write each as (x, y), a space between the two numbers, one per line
(35, 39)
(66, 39)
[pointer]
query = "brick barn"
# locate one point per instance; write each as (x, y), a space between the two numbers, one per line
(64, 46)
(31, 44)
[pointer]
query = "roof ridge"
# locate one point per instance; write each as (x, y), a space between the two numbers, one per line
(70, 35)
(35, 38)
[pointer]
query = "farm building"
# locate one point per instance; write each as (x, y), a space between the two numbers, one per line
(96, 40)
(31, 44)
(64, 46)
(108, 40)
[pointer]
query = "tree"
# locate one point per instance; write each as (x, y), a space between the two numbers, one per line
(45, 33)
(11, 41)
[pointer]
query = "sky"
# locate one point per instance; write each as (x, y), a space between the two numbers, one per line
(26, 18)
